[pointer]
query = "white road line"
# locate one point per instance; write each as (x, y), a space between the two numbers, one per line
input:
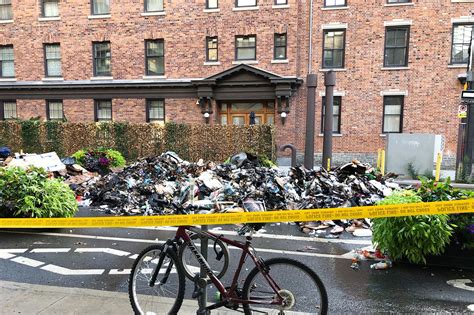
(50, 250)
(72, 272)
(27, 261)
(270, 236)
(461, 284)
(110, 251)
(135, 256)
(6, 255)
(120, 271)
(14, 250)
(95, 237)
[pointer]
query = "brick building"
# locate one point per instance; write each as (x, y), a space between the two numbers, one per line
(399, 64)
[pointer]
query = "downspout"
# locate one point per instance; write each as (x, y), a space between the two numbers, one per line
(310, 48)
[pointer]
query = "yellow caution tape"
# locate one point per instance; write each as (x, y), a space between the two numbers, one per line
(445, 207)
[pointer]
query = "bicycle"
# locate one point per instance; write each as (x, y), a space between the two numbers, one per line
(157, 280)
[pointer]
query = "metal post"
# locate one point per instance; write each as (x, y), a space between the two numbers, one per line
(311, 84)
(329, 82)
(203, 297)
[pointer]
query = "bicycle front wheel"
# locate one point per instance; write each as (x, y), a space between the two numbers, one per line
(299, 286)
(166, 294)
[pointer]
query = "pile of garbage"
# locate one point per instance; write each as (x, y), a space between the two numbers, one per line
(167, 184)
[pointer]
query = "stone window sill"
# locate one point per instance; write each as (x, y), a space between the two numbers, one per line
(101, 78)
(334, 26)
(6, 21)
(151, 77)
(100, 16)
(7, 79)
(397, 22)
(158, 13)
(212, 63)
(211, 10)
(280, 61)
(334, 135)
(245, 8)
(52, 18)
(334, 8)
(280, 6)
(383, 135)
(399, 4)
(335, 70)
(394, 68)
(458, 66)
(247, 62)
(53, 79)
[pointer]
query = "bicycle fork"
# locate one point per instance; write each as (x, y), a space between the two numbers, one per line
(158, 268)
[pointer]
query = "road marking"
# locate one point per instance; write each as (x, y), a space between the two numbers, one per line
(14, 250)
(6, 255)
(120, 271)
(270, 236)
(72, 272)
(27, 261)
(110, 251)
(461, 284)
(50, 250)
(471, 307)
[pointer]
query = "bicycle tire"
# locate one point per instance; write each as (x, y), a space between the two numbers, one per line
(155, 251)
(184, 265)
(271, 264)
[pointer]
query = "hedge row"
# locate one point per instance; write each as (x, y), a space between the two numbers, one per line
(191, 142)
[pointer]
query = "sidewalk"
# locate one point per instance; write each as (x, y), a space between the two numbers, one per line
(24, 298)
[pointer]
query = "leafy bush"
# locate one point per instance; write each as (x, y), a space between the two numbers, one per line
(413, 237)
(29, 193)
(99, 160)
(431, 190)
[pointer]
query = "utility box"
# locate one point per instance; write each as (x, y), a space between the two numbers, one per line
(418, 149)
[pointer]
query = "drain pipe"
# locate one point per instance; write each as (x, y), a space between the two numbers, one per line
(310, 34)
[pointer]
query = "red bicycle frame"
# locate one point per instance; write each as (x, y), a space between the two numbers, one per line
(229, 296)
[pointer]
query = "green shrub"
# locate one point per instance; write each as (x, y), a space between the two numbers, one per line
(99, 160)
(430, 190)
(29, 193)
(413, 237)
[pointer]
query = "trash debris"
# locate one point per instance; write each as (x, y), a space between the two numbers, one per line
(167, 184)
(386, 264)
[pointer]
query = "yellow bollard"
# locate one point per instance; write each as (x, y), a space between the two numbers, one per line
(382, 162)
(329, 164)
(379, 152)
(439, 159)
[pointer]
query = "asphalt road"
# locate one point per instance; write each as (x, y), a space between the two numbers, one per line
(100, 259)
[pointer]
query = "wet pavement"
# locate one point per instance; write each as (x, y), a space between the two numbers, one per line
(99, 259)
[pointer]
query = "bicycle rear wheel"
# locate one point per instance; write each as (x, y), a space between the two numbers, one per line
(301, 288)
(167, 293)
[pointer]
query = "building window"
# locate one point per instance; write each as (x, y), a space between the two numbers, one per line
(154, 5)
(212, 4)
(246, 113)
(245, 3)
(333, 48)
(155, 57)
(392, 114)
(50, 8)
(334, 3)
(462, 34)
(103, 110)
(100, 7)
(6, 12)
(8, 110)
(281, 2)
(155, 111)
(7, 66)
(52, 57)
(246, 47)
(279, 46)
(102, 59)
(398, 1)
(396, 46)
(336, 114)
(211, 49)
(54, 110)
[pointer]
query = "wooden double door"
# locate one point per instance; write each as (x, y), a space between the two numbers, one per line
(239, 113)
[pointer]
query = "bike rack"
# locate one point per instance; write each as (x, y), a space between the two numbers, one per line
(202, 299)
